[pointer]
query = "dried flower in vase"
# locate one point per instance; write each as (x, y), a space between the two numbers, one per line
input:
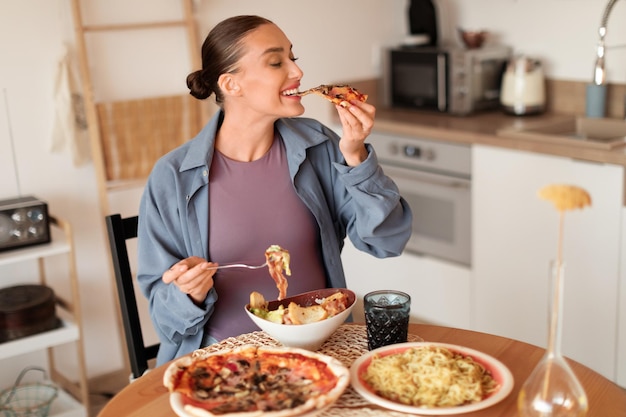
(552, 389)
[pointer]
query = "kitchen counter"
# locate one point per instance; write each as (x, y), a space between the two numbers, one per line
(481, 128)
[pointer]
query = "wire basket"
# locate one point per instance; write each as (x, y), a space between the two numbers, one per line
(28, 400)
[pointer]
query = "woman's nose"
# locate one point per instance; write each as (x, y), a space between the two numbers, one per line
(295, 71)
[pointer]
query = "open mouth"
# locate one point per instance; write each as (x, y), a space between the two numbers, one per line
(291, 92)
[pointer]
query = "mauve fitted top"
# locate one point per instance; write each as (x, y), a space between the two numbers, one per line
(253, 205)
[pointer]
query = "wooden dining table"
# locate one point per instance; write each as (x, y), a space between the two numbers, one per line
(147, 397)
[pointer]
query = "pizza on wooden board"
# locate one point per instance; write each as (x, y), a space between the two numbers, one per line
(254, 381)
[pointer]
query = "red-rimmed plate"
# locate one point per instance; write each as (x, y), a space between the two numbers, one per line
(499, 372)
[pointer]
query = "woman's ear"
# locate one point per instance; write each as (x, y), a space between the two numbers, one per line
(228, 84)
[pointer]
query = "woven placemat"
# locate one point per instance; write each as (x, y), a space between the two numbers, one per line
(347, 344)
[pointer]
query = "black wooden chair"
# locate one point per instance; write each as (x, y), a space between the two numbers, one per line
(120, 230)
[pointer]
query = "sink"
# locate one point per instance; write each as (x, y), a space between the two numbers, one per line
(601, 133)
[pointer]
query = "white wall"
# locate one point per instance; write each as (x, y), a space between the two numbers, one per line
(335, 40)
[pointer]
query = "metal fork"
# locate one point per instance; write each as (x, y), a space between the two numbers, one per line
(239, 266)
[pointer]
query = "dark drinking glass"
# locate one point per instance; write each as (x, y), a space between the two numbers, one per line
(386, 317)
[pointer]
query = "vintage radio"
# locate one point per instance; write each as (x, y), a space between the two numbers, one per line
(24, 221)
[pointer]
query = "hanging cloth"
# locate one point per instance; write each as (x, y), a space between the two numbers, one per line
(70, 124)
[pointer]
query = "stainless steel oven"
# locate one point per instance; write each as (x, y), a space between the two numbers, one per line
(435, 178)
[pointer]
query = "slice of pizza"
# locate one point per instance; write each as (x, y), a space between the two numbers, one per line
(278, 261)
(254, 380)
(336, 94)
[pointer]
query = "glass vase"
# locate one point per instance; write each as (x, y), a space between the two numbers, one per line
(552, 389)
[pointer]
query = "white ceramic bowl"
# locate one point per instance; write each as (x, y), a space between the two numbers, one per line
(305, 336)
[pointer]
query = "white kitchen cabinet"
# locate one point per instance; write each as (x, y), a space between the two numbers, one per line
(515, 238)
(68, 334)
(440, 291)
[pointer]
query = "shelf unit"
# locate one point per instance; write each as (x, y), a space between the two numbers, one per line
(73, 399)
(105, 153)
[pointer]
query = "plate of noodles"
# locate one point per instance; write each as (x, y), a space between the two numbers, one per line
(429, 378)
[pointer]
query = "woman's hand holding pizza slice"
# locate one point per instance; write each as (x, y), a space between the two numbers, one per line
(356, 116)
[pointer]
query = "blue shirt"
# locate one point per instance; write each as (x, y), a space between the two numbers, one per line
(359, 202)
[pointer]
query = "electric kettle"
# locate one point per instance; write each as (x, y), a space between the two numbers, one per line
(523, 89)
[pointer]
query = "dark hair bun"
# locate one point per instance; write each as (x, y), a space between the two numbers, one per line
(197, 86)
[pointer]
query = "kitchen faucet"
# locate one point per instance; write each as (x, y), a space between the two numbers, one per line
(599, 72)
(596, 91)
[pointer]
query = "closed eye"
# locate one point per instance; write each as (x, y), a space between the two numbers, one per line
(279, 64)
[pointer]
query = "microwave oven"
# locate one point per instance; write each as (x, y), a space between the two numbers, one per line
(451, 80)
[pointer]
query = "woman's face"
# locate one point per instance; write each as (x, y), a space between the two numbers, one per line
(266, 70)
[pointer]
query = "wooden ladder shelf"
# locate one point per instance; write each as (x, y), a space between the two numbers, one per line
(126, 137)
